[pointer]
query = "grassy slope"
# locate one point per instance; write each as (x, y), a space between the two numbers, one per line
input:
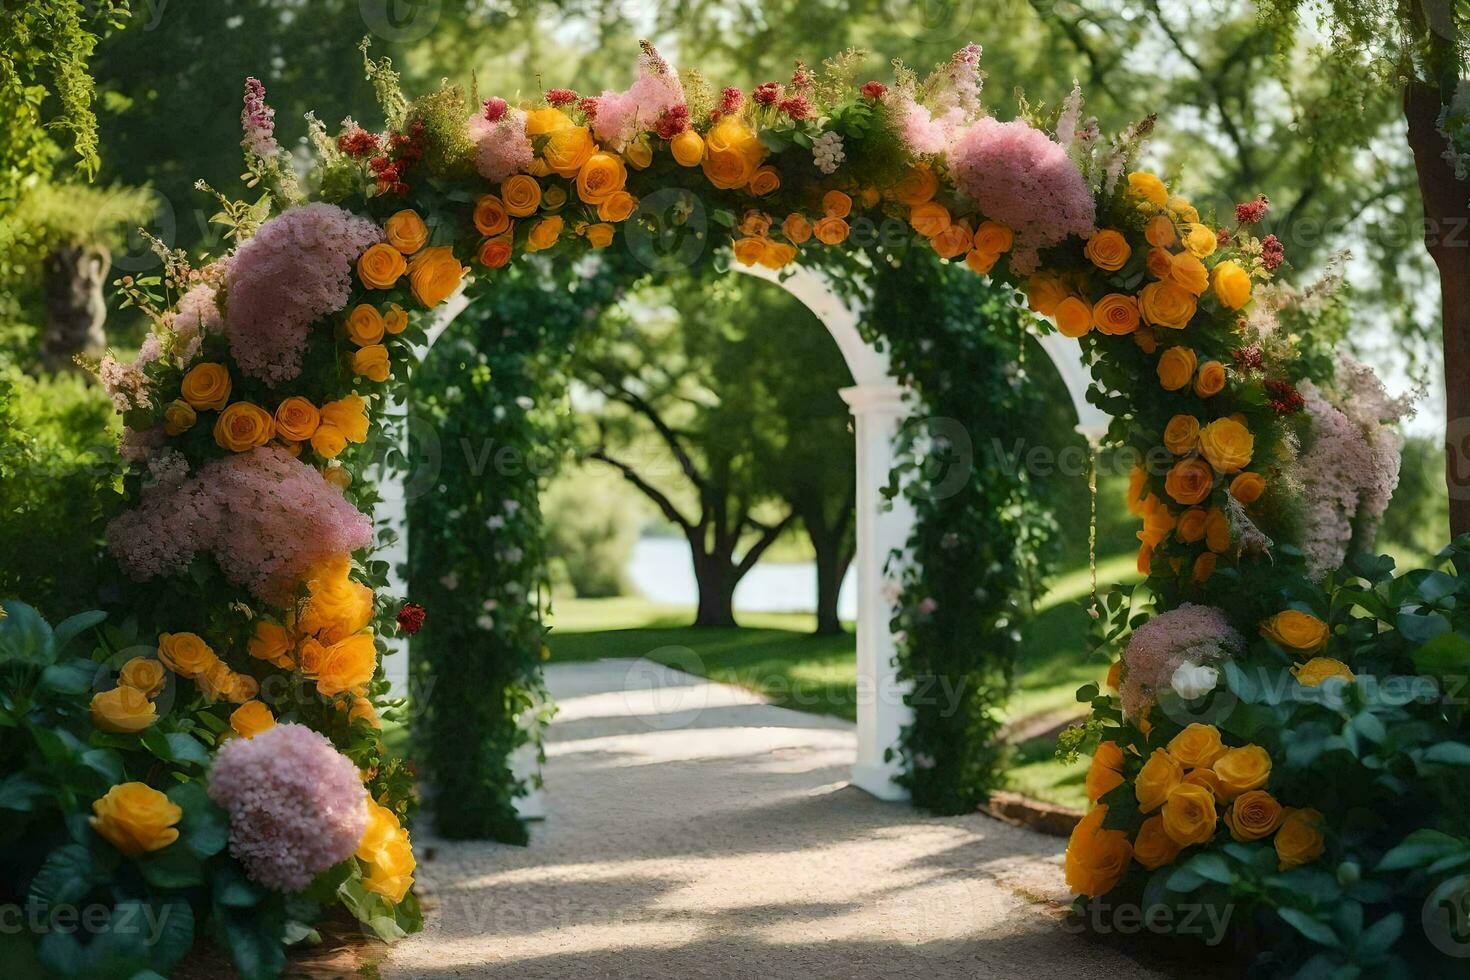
(773, 653)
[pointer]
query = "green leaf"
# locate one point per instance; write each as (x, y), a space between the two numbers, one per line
(1421, 627)
(254, 940)
(233, 890)
(1420, 848)
(68, 679)
(73, 626)
(1382, 934)
(1211, 867)
(186, 748)
(1446, 653)
(67, 875)
(1087, 692)
(204, 828)
(105, 763)
(1318, 932)
(1450, 753)
(20, 792)
(25, 637)
(173, 867)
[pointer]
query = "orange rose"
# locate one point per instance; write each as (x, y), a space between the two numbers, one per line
(395, 321)
(1176, 368)
(764, 181)
(491, 218)
(916, 186)
(434, 275)
(1200, 240)
(929, 219)
(344, 665)
(748, 251)
(1108, 250)
(371, 362)
(380, 265)
(521, 195)
(1096, 858)
(1153, 848)
(179, 417)
(831, 231)
(1232, 285)
(1160, 263)
(600, 177)
(365, 325)
(619, 206)
(1227, 444)
(186, 654)
(243, 426)
(1156, 780)
(1217, 530)
(1192, 525)
(992, 236)
(728, 169)
(1190, 480)
(544, 233)
(687, 148)
(143, 674)
(567, 149)
(756, 223)
(1189, 814)
(1242, 770)
(122, 709)
(1160, 231)
(547, 120)
(1253, 815)
(1148, 187)
(272, 643)
(952, 241)
(639, 155)
(796, 228)
(1211, 380)
(296, 419)
(1248, 487)
(348, 414)
(406, 231)
(836, 204)
(981, 262)
(1299, 839)
(251, 718)
(1204, 566)
(777, 254)
(1197, 745)
(599, 235)
(1189, 272)
(1106, 771)
(1073, 316)
(495, 252)
(206, 386)
(1116, 314)
(1044, 294)
(1181, 435)
(1166, 304)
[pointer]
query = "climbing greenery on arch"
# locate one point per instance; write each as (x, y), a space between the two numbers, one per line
(256, 407)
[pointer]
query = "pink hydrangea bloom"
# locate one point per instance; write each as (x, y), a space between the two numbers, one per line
(297, 806)
(264, 515)
(1190, 633)
(295, 270)
(197, 315)
(1024, 180)
(502, 147)
(619, 117)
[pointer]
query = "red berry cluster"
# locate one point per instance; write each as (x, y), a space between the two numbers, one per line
(559, 97)
(797, 107)
(588, 106)
(404, 150)
(801, 77)
(731, 99)
(767, 93)
(672, 121)
(1284, 399)
(1252, 211)
(1248, 358)
(1273, 253)
(411, 617)
(358, 143)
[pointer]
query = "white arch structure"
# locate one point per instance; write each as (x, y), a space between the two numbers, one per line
(879, 405)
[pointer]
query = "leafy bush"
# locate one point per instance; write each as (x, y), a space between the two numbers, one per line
(591, 528)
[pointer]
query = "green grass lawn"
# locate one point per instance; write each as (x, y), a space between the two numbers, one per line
(774, 653)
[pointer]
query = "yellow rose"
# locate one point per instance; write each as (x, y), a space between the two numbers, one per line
(1160, 231)
(372, 363)
(296, 419)
(1166, 304)
(1232, 284)
(1160, 774)
(600, 177)
(1115, 314)
(1205, 778)
(1320, 669)
(1211, 380)
(1158, 521)
(929, 218)
(1189, 481)
(599, 235)
(796, 228)
(1242, 770)
(992, 236)
(380, 266)
(1154, 848)
(1148, 187)
(1106, 772)
(1044, 294)
(251, 718)
(243, 426)
(342, 666)
(1227, 444)
(490, 217)
(1189, 815)
(1160, 263)
(365, 325)
(1248, 487)
(1192, 525)
(1181, 435)
(337, 476)
(639, 155)
(1176, 368)
(362, 709)
(391, 872)
(916, 186)
(338, 605)
(1073, 316)
(382, 828)
(1217, 530)
(521, 195)
(1200, 240)
(728, 134)
(434, 275)
(1253, 815)
(179, 417)
(1108, 250)
(688, 148)
(544, 233)
(1180, 205)
(727, 169)
(272, 643)
(1298, 841)
(764, 181)
(495, 252)
(981, 262)
(618, 207)
(1189, 272)
(395, 321)
(142, 674)
(1096, 858)
(748, 251)
(206, 387)
(1197, 745)
(953, 241)
(1115, 676)
(328, 441)
(567, 149)
(186, 654)
(831, 231)
(1137, 485)
(554, 198)
(548, 120)
(836, 204)
(135, 818)
(348, 414)
(122, 709)
(406, 231)
(220, 683)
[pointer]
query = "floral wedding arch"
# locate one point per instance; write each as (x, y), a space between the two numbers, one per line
(255, 410)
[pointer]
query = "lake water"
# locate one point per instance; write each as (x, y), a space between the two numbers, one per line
(662, 571)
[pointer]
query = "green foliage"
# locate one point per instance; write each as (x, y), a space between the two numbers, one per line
(592, 524)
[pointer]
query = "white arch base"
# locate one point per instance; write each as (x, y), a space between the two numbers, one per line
(879, 405)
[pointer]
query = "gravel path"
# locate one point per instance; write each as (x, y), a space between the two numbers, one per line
(695, 831)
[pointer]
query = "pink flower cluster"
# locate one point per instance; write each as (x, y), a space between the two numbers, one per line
(1024, 180)
(258, 121)
(1351, 465)
(124, 383)
(618, 117)
(296, 805)
(264, 515)
(198, 314)
(295, 270)
(502, 147)
(1189, 634)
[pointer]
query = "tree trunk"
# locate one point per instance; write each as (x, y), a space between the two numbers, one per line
(716, 579)
(832, 562)
(1447, 237)
(76, 309)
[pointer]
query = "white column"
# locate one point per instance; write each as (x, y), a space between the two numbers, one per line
(878, 410)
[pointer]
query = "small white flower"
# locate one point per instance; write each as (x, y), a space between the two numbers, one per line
(827, 152)
(485, 623)
(1192, 681)
(450, 581)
